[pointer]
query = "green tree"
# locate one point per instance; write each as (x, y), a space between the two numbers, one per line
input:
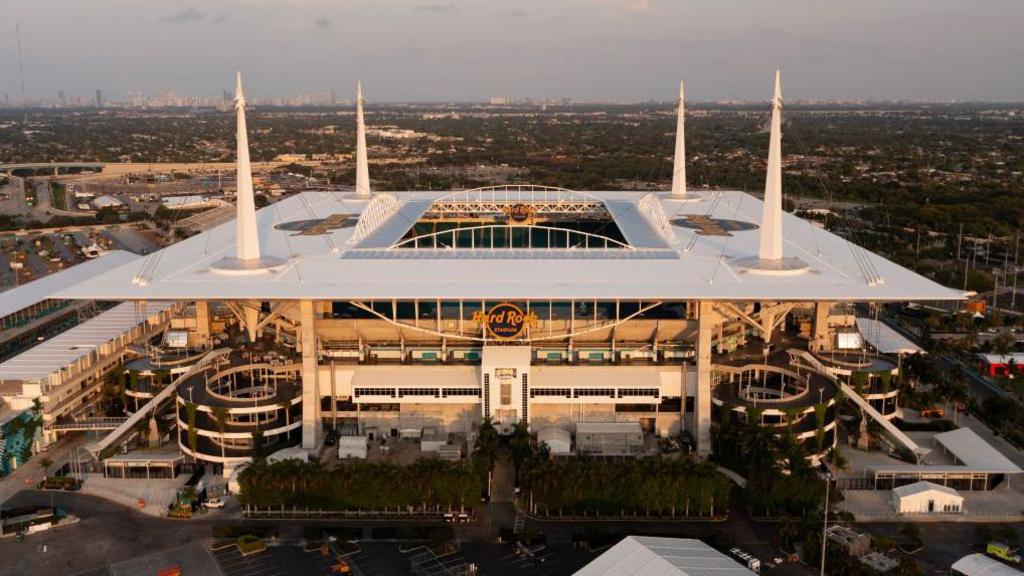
(220, 418)
(193, 433)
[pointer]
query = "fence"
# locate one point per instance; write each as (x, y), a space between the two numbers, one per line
(254, 512)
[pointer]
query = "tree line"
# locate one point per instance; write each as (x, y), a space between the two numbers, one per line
(359, 484)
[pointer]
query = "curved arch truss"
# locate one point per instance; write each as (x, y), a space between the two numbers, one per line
(496, 199)
(381, 207)
(528, 337)
(512, 237)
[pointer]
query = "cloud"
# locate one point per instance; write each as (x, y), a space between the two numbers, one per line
(186, 15)
(436, 8)
(323, 23)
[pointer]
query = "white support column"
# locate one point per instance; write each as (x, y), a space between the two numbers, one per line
(310, 386)
(251, 311)
(820, 340)
(702, 400)
(203, 322)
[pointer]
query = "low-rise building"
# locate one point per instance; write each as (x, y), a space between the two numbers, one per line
(927, 498)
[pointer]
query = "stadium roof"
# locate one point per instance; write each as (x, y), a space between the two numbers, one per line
(677, 249)
(43, 288)
(654, 556)
(67, 347)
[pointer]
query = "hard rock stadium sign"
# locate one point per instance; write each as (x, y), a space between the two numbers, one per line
(505, 321)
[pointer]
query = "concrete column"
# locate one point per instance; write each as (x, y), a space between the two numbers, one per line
(820, 341)
(702, 401)
(203, 322)
(251, 312)
(310, 387)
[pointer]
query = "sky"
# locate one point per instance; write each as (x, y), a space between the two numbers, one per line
(471, 50)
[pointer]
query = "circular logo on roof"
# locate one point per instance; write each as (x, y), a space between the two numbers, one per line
(505, 321)
(707, 226)
(318, 226)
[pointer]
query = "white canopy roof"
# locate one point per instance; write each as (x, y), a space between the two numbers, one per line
(691, 266)
(982, 565)
(884, 339)
(973, 451)
(655, 556)
(67, 347)
(43, 288)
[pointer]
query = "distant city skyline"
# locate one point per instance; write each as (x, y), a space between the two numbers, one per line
(462, 51)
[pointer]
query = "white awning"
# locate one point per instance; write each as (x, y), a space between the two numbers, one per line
(884, 339)
(597, 377)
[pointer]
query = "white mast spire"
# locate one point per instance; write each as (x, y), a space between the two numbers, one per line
(679, 160)
(769, 259)
(362, 164)
(771, 220)
(247, 258)
(247, 243)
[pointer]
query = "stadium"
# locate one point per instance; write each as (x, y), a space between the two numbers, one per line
(602, 320)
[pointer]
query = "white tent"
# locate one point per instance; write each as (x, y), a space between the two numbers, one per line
(291, 453)
(352, 447)
(927, 498)
(559, 440)
(655, 556)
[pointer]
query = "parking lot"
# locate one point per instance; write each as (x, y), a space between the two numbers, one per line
(274, 561)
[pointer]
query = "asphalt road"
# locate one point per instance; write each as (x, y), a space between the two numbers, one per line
(107, 533)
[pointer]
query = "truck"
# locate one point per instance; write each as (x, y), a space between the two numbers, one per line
(1004, 552)
(752, 564)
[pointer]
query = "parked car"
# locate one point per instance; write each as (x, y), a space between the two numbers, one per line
(214, 503)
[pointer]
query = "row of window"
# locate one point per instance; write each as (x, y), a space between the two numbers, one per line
(546, 310)
(402, 392)
(590, 392)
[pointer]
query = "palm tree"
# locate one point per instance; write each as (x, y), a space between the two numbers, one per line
(286, 406)
(193, 433)
(45, 464)
(220, 418)
(837, 460)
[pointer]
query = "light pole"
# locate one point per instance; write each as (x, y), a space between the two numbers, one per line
(824, 524)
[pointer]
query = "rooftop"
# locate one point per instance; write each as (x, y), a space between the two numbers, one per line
(922, 487)
(982, 565)
(883, 338)
(654, 556)
(43, 288)
(66, 348)
(677, 249)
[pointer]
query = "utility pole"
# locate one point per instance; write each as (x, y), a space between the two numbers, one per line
(959, 241)
(1013, 295)
(824, 524)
